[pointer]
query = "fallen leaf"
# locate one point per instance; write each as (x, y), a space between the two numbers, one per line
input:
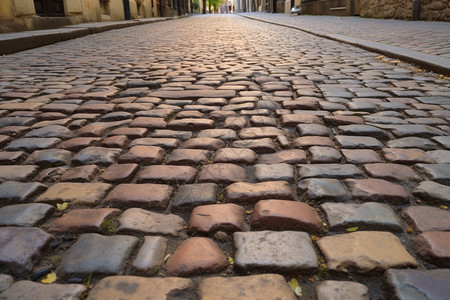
(351, 229)
(409, 229)
(50, 278)
(230, 260)
(248, 212)
(62, 206)
(312, 280)
(443, 206)
(295, 287)
(314, 238)
(166, 257)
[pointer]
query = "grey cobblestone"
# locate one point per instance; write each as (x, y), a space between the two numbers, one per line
(147, 133)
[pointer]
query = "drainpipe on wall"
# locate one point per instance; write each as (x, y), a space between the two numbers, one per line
(126, 8)
(415, 10)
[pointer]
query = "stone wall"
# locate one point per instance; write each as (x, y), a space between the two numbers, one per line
(431, 10)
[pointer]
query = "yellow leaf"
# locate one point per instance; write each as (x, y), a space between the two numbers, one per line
(50, 278)
(230, 260)
(62, 206)
(351, 229)
(443, 206)
(295, 287)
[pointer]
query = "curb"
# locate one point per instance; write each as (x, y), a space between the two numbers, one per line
(25, 40)
(434, 63)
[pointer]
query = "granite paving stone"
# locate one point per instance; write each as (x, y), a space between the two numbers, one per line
(245, 287)
(30, 144)
(336, 171)
(143, 154)
(432, 191)
(434, 247)
(150, 255)
(412, 142)
(106, 255)
(369, 215)
(119, 173)
(376, 190)
(360, 156)
(50, 157)
(274, 172)
(25, 289)
(78, 143)
(83, 220)
(138, 220)
(14, 191)
(264, 145)
(96, 155)
(51, 131)
(285, 215)
(222, 173)
(406, 156)
(121, 287)
(308, 141)
(196, 255)
(260, 132)
(203, 143)
(284, 251)
(440, 156)
(75, 193)
(21, 248)
(117, 141)
(322, 189)
(341, 290)
(434, 172)
(148, 195)
(165, 143)
(364, 251)
(25, 215)
(251, 192)
(426, 218)
(410, 284)
(167, 174)
(290, 156)
(391, 172)
(5, 282)
(235, 155)
(188, 157)
(190, 195)
(312, 129)
(358, 142)
(13, 157)
(227, 217)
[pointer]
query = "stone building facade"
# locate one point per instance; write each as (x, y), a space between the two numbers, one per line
(430, 10)
(21, 15)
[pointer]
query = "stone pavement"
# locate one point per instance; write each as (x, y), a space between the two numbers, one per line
(426, 44)
(218, 157)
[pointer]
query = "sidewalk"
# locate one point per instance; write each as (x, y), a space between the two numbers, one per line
(20, 41)
(426, 44)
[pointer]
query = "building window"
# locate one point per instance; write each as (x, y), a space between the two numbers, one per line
(49, 8)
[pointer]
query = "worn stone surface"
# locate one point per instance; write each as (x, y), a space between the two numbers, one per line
(250, 192)
(336, 171)
(391, 172)
(26, 215)
(14, 191)
(190, 195)
(222, 173)
(285, 215)
(341, 290)
(427, 218)
(97, 155)
(137, 220)
(106, 255)
(83, 220)
(75, 193)
(120, 287)
(410, 284)
(143, 154)
(364, 251)
(168, 174)
(196, 255)
(245, 287)
(376, 190)
(21, 248)
(150, 255)
(434, 247)
(274, 172)
(25, 289)
(285, 251)
(322, 189)
(146, 195)
(435, 172)
(369, 215)
(432, 191)
(215, 217)
(5, 282)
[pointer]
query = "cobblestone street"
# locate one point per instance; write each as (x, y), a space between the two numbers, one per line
(220, 157)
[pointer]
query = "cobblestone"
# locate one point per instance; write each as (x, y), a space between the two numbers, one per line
(266, 142)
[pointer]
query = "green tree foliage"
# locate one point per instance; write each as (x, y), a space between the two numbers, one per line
(215, 4)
